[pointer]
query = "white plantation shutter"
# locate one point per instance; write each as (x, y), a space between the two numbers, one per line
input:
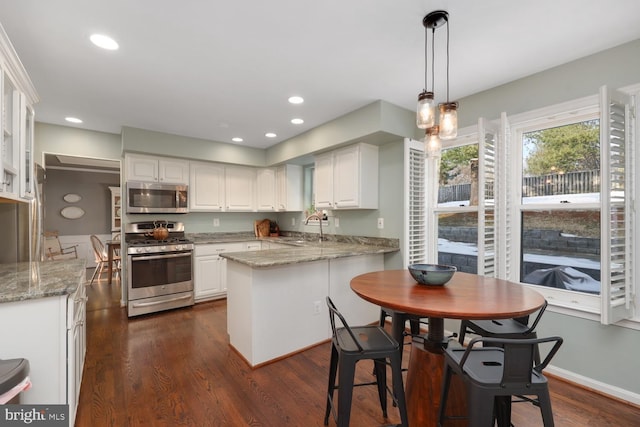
(415, 209)
(616, 205)
(504, 205)
(488, 138)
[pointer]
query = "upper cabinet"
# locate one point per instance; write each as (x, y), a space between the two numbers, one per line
(156, 169)
(239, 188)
(289, 188)
(206, 187)
(347, 178)
(214, 187)
(16, 125)
(266, 190)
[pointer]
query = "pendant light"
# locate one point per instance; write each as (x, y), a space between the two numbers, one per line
(432, 143)
(426, 114)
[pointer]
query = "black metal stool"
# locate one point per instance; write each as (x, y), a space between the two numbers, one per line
(348, 347)
(493, 374)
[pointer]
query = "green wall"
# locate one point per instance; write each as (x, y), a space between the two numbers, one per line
(56, 139)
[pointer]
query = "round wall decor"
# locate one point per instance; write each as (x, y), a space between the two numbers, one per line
(72, 212)
(72, 198)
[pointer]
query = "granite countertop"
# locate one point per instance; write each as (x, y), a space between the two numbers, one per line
(304, 253)
(31, 280)
(304, 247)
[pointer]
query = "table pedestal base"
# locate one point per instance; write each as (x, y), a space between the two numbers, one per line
(423, 388)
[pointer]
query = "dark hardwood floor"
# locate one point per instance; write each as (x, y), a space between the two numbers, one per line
(176, 369)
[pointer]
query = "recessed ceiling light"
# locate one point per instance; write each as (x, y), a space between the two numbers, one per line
(296, 100)
(270, 135)
(237, 139)
(104, 42)
(297, 121)
(73, 120)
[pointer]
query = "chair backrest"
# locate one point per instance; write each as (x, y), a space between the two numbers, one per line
(52, 244)
(525, 319)
(98, 248)
(518, 356)
(333, 314)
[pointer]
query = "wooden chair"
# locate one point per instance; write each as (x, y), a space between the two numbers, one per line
(54, 251)
(102, 259)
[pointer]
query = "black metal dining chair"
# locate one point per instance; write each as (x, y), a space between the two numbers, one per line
(349, 345)
(504, 328)
(492, 374)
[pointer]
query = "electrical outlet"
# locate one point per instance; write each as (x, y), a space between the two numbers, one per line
(293, 221)
(216, 222)
(336, 221)
(316, 307)
(380, 223)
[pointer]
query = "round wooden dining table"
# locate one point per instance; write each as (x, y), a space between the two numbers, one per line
(465, 296)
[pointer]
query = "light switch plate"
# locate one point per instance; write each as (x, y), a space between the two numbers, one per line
(216, 222)
(380, 223)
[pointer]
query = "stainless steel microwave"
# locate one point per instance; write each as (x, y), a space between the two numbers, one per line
(152, 197)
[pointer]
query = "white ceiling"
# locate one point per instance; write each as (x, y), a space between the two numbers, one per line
(218, 69)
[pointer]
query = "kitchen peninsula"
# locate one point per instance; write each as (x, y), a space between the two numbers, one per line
(276, 297)
(43, 311)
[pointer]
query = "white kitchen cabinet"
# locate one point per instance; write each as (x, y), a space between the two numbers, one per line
(347, 178)
(266, 189)
(156, 169)
(323, 181)
(272, 245)
(261, 303)
(206, 187)
(239, 188)
(16, 125)
(253, 246)
(211, 270)
(52, 337)
(289, 188)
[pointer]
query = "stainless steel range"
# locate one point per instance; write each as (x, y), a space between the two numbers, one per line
(159, 272)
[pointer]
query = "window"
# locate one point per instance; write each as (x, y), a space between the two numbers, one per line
(554, 192)
(559, 202)
(456, 213)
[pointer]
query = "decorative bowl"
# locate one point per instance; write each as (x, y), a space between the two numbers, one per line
(432, 274)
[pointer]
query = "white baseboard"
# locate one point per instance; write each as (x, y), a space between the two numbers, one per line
(604, 388)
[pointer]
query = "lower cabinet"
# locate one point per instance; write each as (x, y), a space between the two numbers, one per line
(51, 333)
(211, 270)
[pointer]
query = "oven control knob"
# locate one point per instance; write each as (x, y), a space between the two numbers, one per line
(163, 248)
(178, 247)
(139, 250)
(148, 249)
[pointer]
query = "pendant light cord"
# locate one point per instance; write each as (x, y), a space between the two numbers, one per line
(447, 61)
(433, 61)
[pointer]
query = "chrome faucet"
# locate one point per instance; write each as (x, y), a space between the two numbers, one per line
(319, 218)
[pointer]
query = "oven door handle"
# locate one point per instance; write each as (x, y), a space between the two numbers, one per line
(147, 304)
(146, 258)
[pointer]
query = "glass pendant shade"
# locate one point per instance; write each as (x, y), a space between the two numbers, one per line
(426, 111)
(432, 143)
(448, 120)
